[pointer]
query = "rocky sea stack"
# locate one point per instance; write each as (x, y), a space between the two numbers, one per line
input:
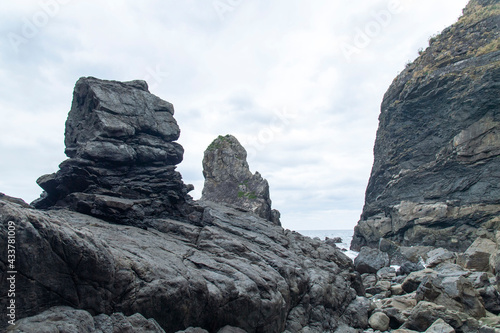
(115, 243)
(436, 175)
(228, 179)
(120, 140)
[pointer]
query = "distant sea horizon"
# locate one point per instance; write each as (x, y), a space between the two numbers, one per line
(345, 235)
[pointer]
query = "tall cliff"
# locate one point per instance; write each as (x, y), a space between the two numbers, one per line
(436, 173)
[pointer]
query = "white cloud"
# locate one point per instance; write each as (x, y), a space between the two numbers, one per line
(226, 70)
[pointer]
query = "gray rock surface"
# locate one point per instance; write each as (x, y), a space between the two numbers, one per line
(231, 268)
(436, 173)
(228, 179)
(120, 140)
(440, 326)
(370, 260)
(379, 321)
(65, 319)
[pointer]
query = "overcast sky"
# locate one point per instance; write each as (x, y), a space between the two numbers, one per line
(299, 83)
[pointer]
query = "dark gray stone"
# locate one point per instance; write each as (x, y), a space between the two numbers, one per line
(370, 260)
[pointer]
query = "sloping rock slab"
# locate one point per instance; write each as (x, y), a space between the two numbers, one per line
(232, 269)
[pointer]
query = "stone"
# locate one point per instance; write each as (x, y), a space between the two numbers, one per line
(335, 240)
(386, 273)
(409, 267)
(357, 312)
(438, 256)
(232, 268)
(67, 319)
(454, 292)
(379, 321)
(412, 281)
(424, 314)
(370, 260)
(490, 298)
(120, 140)
(228, 179)
(477, 256)
(440, 326)
(397, 289)
(434, 179)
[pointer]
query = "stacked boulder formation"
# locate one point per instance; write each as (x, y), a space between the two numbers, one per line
(120, 140)
(228, 179)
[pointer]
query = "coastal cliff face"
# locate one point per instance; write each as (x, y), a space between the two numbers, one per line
(115, 244)
(436, 174)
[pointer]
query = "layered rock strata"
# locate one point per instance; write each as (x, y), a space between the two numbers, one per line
(436, 174)
(120, 140)
(228, 179)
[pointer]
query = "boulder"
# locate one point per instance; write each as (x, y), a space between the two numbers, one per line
(386, 273)
(379, 321)
(370, 260)
(438, 256)
(228, 179)
(477, 256)
(435, 174)
(409, 267)
(426, 313)
(440, 326)
(413, 280)
(454, 292)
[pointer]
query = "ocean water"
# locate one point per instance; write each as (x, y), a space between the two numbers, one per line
(346, 236)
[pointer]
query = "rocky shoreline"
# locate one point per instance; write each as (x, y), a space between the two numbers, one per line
(424, 289)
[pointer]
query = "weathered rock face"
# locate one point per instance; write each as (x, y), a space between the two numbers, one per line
(228, 179)
(122, 155)
(67, 319)
(436, 175)
(232, 268)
